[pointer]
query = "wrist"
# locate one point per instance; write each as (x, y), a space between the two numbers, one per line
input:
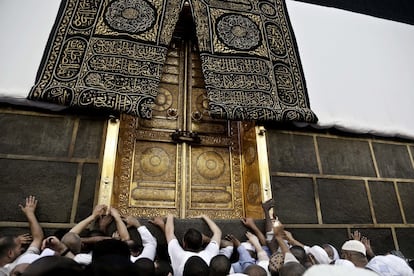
(65, 251)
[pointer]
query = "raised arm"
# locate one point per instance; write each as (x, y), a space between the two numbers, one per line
(214, 228)
(249, 222)
(35, 228)
(169, 228)
(279, 235)
(159, 221)
(58, 246)
(367, 243)
(261, 254)
(99, 210)
(120, 225)
(267, 206)
(291, 240)
(149, 242)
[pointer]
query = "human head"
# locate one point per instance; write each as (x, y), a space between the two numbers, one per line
(292, 269)
(195, 266)
(318, 255)
(220, 265)
(193, 240)
(110, 247)
(299, 254)
(255, 270)
(145, 266)
(354, 246)
(112, 265)
(54, 265)
(355, 252)
(394, 265)
(328, 250)
(10, 249)
(163, 268)
(134, 247)
(73, 242)
(275, 263)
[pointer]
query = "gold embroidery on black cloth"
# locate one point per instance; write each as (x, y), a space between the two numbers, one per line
(107, 54)
(250, 61)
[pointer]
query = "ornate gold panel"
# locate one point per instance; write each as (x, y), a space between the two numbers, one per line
(182, 161)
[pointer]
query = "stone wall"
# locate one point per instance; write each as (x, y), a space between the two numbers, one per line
(326, 185)
(55, 157)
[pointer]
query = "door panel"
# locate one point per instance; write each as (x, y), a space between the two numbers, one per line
(181, 161)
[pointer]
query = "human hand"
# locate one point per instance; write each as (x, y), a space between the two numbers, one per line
(99, 210)
(252, 239)
(248, 222)
(233, 239)
(53, 243)
(367, 243)
(115, 235)
(104, 222)
(356, 235)
(288, 236)
(278, 228)
(114, 212)
(30, 205)
(131, 221)
(268, 204)
(25, 238)
(225, 243)
(158, 221)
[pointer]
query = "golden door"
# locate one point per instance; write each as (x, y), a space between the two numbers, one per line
(182, 161)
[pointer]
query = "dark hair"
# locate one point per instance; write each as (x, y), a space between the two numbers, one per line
(193, 240)
(7, 243)
(195, 266)
(112, 265)
(110, 247)
(134, 246)
(292, 269)
(299, 253)
(162, 268)
(145, 266)
(220, 265)
(255, 270)
(54, 265)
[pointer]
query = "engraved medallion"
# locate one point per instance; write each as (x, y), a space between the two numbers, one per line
(131, 16)
(238, 31)
(163, 101)
(210, 165)
(155, 161)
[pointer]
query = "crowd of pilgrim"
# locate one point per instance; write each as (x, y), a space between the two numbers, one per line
(107, 243)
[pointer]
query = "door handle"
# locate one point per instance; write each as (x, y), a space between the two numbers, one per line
(181, 136)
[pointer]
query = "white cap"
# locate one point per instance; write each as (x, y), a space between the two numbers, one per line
(389, 265)
(354, 245)
(319, 253)
(344, 262)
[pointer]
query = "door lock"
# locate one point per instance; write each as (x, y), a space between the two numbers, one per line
(181, 136)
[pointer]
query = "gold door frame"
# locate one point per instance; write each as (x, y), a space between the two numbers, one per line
(105, 192)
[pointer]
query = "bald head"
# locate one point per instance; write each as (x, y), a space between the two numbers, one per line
(73, 242)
